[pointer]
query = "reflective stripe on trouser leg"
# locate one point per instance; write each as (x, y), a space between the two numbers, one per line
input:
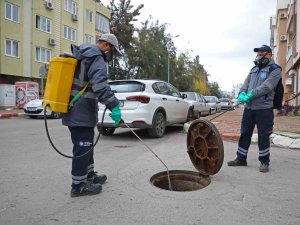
(82, 138)
(247, 127)
(264, 121)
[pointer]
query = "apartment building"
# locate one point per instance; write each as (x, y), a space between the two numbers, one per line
(285, 40)
(34, 31)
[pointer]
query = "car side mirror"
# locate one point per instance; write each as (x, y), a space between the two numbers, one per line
(183, 96)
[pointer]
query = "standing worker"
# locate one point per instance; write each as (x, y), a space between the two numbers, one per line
(258, 93)
(81, 120)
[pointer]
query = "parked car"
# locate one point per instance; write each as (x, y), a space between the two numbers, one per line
(214, 103)
(150, 104)
(34, 109)
(235, 103)
(226, 104)
(198, 104)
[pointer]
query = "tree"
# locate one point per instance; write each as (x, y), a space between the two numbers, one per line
(122, 17)
(215, 89)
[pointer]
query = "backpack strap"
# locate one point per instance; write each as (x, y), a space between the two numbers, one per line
(273, 67)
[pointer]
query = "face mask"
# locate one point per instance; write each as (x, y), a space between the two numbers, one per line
(109, 54)
(261, 61)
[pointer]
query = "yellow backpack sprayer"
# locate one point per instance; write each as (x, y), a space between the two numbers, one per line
(59, 83)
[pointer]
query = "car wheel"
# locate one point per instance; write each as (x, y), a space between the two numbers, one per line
(55, 115)
(197, 116)
(159, 126)
(190, 115)
(106, 131)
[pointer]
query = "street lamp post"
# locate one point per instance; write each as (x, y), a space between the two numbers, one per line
(169, 58)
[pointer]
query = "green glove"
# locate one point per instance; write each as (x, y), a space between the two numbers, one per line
(241, 97)
(249, 96)
(116, 114)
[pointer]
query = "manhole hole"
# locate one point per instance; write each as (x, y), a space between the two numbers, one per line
(181, 180)
(206, 151)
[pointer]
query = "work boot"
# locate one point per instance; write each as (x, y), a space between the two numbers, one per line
(237, 162)
(94, 178)
(264, 168)
(87, 188)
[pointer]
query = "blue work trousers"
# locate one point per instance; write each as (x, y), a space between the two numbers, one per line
(263, 119)
(83, 140)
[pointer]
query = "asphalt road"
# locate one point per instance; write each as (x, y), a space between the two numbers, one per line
(35, 182)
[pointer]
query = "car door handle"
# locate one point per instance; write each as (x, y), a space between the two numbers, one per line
(164, 99)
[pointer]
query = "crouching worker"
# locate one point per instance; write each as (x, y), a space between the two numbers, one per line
(81, 120)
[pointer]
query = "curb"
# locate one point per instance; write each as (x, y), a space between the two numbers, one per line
(230, 136)
(8, 115)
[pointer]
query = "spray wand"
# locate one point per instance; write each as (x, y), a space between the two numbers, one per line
(77, 96)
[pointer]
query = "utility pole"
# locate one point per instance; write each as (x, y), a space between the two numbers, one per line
(169, 57)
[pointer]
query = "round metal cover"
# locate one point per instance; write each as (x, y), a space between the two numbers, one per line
(205, 146)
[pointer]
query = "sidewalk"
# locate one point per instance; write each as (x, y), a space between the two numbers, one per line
(286, 132)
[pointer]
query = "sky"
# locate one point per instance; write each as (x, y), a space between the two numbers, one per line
(222, 32)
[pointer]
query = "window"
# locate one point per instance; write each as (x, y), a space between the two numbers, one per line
(89, 15)
(69, 33)
(173, 91)
(126, 86)
(88, 39)
(43, 24)
(11, 48)
(102, 23)
(42, 54)
(11, 12)
(160, 88)
(190, 96)
(200, 98)
(70, 6)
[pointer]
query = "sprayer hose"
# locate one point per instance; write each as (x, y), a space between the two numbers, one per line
(56, 149)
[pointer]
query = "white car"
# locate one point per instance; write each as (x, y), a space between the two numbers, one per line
(35, 109)
(235, 103)
(198, 103)
(150, 104)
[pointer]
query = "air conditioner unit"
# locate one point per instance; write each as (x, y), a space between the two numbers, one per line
(283, 15)
(74, 17)
(51, 41)
(283, 37)
(288, 81)
(49, 5)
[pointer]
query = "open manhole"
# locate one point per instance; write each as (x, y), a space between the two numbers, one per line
(206, 151)
(181, 180)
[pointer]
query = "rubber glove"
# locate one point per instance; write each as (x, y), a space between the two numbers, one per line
(249, 96)
(241, 97)
(116, 114)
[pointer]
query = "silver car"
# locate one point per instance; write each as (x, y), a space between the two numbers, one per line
(214, 103)
(198, 103)
(226, 104)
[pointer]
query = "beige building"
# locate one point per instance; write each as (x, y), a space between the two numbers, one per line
(286, 46)
(33, 31)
